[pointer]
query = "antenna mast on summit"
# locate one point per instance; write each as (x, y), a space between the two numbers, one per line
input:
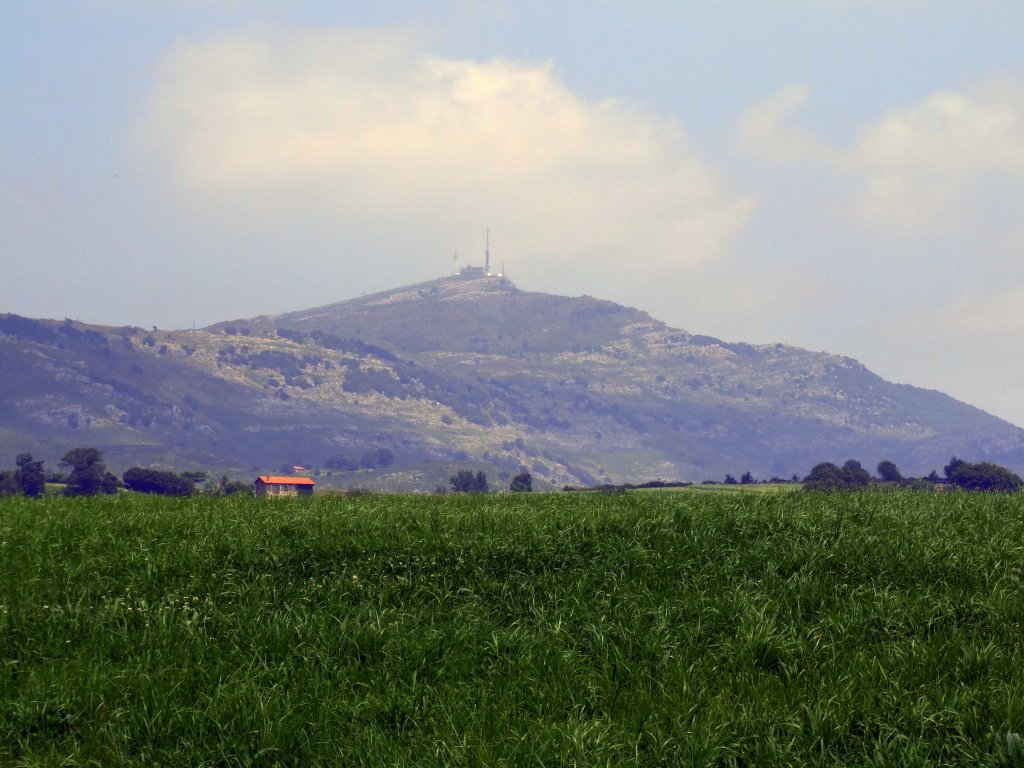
(487, 255)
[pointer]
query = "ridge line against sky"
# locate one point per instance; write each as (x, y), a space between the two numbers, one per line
(844, 176)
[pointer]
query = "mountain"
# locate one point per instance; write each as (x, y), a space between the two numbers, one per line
(474, 372)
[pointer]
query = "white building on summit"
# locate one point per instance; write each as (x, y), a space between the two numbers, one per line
(473, 273)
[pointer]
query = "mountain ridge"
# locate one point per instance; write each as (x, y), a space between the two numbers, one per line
(574, 389)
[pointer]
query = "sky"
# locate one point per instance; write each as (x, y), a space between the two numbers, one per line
(841, 175)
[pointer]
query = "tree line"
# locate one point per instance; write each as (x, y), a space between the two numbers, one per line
(981, 476)
(468, 481)
(87, 475)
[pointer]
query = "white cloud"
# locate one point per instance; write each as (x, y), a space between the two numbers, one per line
(918, 163)
(997, 315)
(362, 127)
(916, 166)
(766, 130)
(965, 346)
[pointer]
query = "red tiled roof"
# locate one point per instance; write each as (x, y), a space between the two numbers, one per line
(271, 480)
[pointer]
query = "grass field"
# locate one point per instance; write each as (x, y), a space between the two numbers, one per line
(723, 488)
(645, 629)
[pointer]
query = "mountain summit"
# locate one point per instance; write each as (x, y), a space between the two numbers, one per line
(576, 390)
(482, 315)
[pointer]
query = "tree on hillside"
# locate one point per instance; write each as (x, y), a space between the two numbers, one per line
(196, 476)
(342, 462)
(8, 485)
(950, 468)
(829, 477)
(855, 475)
(30, 477)
(985, 477)
(523, 482)
(466, 481)
(825, 476)
(88, 476)
(381, 458)
(233, 487)
(746, 479)
(889, 472)
(146, 480)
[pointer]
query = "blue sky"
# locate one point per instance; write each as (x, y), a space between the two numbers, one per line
(841, 175)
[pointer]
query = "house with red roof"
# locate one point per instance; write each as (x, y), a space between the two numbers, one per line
(268, 485)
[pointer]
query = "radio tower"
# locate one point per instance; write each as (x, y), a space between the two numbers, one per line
(487, 255)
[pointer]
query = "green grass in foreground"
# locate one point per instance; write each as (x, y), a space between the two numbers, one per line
(563, 629)
(723, 488)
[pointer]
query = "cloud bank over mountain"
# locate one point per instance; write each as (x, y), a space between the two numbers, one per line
(367, 129)
(916, 167)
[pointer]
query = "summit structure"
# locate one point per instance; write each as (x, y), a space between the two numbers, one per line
(470, 272)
